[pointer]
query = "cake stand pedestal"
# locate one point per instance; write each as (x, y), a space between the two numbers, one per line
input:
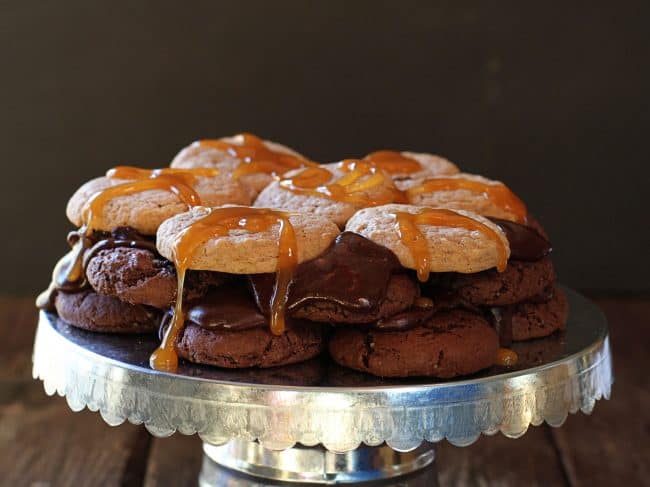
(317, 422)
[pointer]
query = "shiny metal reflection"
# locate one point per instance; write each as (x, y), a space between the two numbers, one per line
(310, 464)
(329, 406)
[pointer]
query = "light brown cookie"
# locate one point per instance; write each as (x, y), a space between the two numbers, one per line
(198, 154)
(146, 210)
(450, 249)
(430, 165)
(337, 198)
(243, 252)
(474, 193)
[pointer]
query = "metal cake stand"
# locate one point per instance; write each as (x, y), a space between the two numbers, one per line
(315, 421)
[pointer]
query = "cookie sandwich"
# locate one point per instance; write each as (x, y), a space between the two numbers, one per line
(524, 301)
(226, 328)
(113, 279)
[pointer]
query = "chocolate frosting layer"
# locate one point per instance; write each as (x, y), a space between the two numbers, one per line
(229, 307)
(120, 237)
(83, 249)
(353, 272)
(525, 243)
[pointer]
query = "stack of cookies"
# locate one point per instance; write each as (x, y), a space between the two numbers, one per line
(244, 253)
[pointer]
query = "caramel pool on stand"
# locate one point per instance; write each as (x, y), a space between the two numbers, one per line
(413, 239)
(218, 222)
(256, 157)
(506, 357)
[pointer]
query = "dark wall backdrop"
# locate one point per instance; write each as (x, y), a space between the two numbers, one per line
(551, 100)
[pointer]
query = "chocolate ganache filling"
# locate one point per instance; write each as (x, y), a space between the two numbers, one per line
(83, 249)
(120, 237)
(353, 272)
(525, 243)
(229, 307)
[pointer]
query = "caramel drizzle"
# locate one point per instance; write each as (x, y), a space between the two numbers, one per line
(176, 181)
(498, 194)
(506, 357)
(218, 223)
(411, 236)
(393, 162)
(353, 187)
(256, 157)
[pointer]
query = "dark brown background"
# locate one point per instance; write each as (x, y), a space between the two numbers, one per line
(552, 100)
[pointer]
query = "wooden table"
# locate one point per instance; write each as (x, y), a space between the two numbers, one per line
(43, 443)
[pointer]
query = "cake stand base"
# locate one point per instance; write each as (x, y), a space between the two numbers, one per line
(311, 464)
(259, 415)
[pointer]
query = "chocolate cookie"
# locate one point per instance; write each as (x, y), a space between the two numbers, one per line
(94, 312)
(252, 347)
(450, 344)
(353, 281)
(400, 294)
(519, 282)
(139, 276)
(534, 319)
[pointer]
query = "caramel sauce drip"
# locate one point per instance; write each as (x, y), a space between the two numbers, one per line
(176, 181)
(218, 223)
(393, 162)
(256, 157)
(359, 178)
(506, 357)
(498, 194)
(415, 241)
(71, 268)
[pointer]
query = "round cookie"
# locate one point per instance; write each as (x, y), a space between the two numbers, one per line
(400, 294)
(275, 195)
(203, 155)
(431, 165)
(138, 276)
(94, 312)
(450, 249)
(243, 252)
(451, 344)
(520, 281)
(461, 199)
(145, 211)
(254, 347)
(536, 320)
